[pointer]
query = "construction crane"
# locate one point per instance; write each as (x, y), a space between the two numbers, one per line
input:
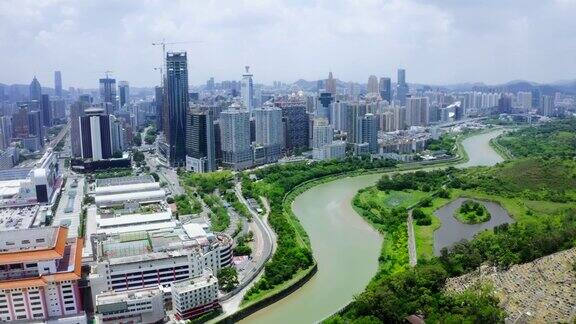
(163, 44)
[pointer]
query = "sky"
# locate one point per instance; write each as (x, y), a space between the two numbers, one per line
(436, 41)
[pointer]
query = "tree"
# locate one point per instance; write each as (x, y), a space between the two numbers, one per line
(227, 278)
(155, 176)
(137, 139)
(138, 156)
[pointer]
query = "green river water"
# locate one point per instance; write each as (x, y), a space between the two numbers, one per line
(345, 247)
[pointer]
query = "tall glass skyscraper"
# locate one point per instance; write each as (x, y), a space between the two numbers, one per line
(108, 92)
(58, 84)
(247, 90)
(177, 104)
(401, 87)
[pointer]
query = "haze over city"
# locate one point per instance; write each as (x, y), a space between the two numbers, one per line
(438, 42)
(262, 161)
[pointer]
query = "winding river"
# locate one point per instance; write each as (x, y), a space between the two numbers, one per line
(345, 247)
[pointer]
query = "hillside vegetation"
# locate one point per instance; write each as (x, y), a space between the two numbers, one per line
(398, 291)
(552, 139)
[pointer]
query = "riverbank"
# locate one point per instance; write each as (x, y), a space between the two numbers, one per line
(365, 178)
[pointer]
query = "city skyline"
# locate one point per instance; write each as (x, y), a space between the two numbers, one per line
(438, 43)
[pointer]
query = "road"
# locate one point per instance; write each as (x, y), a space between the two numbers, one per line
(166, 174)
(59, 137)
(411, 241)
(264, 238)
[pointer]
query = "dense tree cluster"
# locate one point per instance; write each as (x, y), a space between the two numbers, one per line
(553, 139)
(419, 180)
(515, 243)
(445, 143)
(472, 212)
(206, 183)
(421, 218)
(227, 278)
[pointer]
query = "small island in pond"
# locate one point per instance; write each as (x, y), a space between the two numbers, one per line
(472, 212)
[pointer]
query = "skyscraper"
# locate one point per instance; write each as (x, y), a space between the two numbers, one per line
(269, 133)
(35, 90)
(296, 126)
(76, 111)
(323, 105)
(46, 108)
(235, 138)
(200, 140)
(401, 87)
(159, 103)
(124, 93)
(108, 92)
(417, 110)
(247, 90)
(372, 87)
(385, 87)
(331, 84)
(367, 132)
(322, 133)
(98, 135)
(177, 106)
(5, 132)
(505, 104)
(547, 105)
(58, 84)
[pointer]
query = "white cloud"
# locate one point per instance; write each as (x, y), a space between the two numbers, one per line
(436, 41)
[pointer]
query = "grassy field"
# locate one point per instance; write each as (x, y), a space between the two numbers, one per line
(391, 199)
(519, 209)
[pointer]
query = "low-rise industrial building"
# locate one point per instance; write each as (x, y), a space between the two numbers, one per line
(39, 273)
(134, 306)
(195, 296)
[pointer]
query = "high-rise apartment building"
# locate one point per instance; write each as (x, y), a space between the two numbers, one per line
(269, 133)
(385, 87)
(5, 131)
(547, 105)
(367, 132)
(124, 93)
(322, 133)
(200, 140)
(177, 106)
(58, 84)
(247, 90)
(417, 110)
(235, 138)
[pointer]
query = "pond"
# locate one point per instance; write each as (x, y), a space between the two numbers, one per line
(452, 230)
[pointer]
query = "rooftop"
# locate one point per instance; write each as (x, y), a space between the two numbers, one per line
(17, 217)
(36, 244)
(186, 285)
(124, 180)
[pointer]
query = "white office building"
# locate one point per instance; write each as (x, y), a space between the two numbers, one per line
(235, 139)
(195, 296)
(134, 306)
